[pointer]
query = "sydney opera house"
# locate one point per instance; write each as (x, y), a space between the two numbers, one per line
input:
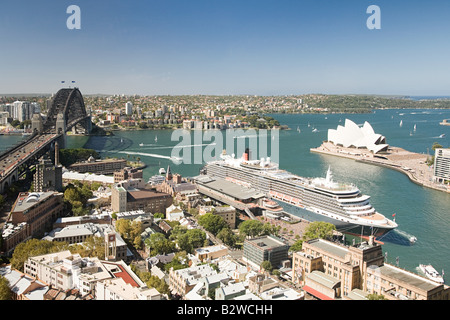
(352, 136)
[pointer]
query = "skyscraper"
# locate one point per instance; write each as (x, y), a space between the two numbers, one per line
(128, 108)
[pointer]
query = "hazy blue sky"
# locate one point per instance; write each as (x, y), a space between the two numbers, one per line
(226, 47)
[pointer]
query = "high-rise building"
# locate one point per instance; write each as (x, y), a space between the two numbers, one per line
(442, 165)
(128, 108)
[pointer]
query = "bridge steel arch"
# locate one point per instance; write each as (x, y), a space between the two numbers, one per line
(70, 103)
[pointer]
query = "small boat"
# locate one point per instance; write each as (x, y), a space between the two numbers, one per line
(298, 130)
(315, 130)
(162, 171)
(431, 273)
(156, 139)
(442, 135)
(141, 144)
(412, 239)
(308, 125)
(410, 133)
(401, 123)
(415, 128)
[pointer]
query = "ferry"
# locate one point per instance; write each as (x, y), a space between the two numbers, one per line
(312, 199)
(431, 273)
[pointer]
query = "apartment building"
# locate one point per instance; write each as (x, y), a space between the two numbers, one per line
(108, 166)
(31, 215)
(442, 165)
(329, 270)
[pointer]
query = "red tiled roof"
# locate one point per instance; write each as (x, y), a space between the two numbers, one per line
(316, 293)
(125, 276)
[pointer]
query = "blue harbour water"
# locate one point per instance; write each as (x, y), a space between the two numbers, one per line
(421, 212)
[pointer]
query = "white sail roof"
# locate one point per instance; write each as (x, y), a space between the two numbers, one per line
(351, 135)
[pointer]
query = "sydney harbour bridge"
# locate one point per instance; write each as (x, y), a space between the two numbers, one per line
(66, 112)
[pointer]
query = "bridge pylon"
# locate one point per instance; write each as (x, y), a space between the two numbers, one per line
(61, 129)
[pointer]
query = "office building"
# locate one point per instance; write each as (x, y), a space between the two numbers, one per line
(267, 248)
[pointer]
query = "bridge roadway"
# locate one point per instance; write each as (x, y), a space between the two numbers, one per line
(12, 160)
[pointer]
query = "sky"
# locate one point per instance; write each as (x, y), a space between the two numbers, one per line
(226, 47)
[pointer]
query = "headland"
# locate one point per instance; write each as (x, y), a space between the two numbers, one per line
(414, 165)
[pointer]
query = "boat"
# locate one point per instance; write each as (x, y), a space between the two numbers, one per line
(313, 199)
(415, 128)
(442, 135)
(162, 171)
(431, 273)
(141, 144)
(412, 239)
(410, 133)
(315, 130)
(401, 123)
(156, 139)
(298, 129)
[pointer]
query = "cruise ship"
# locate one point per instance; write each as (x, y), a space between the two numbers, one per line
(313, 199)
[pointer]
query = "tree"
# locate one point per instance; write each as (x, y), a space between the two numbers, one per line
(251, 228)
(130, 231)
(297, 246)
(5, 290)
(436, 146)
(159, 244)
(227, 237)
(212, 223)
(319, 229)
(191, 239)
(34, 247)
(267, 266)
(375, 296)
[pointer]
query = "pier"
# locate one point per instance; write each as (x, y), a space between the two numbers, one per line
(410, 163)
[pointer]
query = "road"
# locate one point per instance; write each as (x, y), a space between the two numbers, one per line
(10, 162)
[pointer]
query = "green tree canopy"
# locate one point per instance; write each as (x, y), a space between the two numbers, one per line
(251, 228)
(212, 223)
(319, 229)
(5, 290)
(34, 247)
(159, 244)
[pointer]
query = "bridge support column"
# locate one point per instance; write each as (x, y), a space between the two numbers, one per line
(61, 129)
(36, 123)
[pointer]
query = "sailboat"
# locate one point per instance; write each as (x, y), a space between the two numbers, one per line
(156, 138)
(415, 127)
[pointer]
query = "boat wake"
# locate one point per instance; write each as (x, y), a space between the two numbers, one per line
(399, 237)
(152, 146)
(175, 160)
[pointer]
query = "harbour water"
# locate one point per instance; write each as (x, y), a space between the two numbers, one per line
(419, 211)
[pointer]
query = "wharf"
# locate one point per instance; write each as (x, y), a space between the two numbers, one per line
(410, 163)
